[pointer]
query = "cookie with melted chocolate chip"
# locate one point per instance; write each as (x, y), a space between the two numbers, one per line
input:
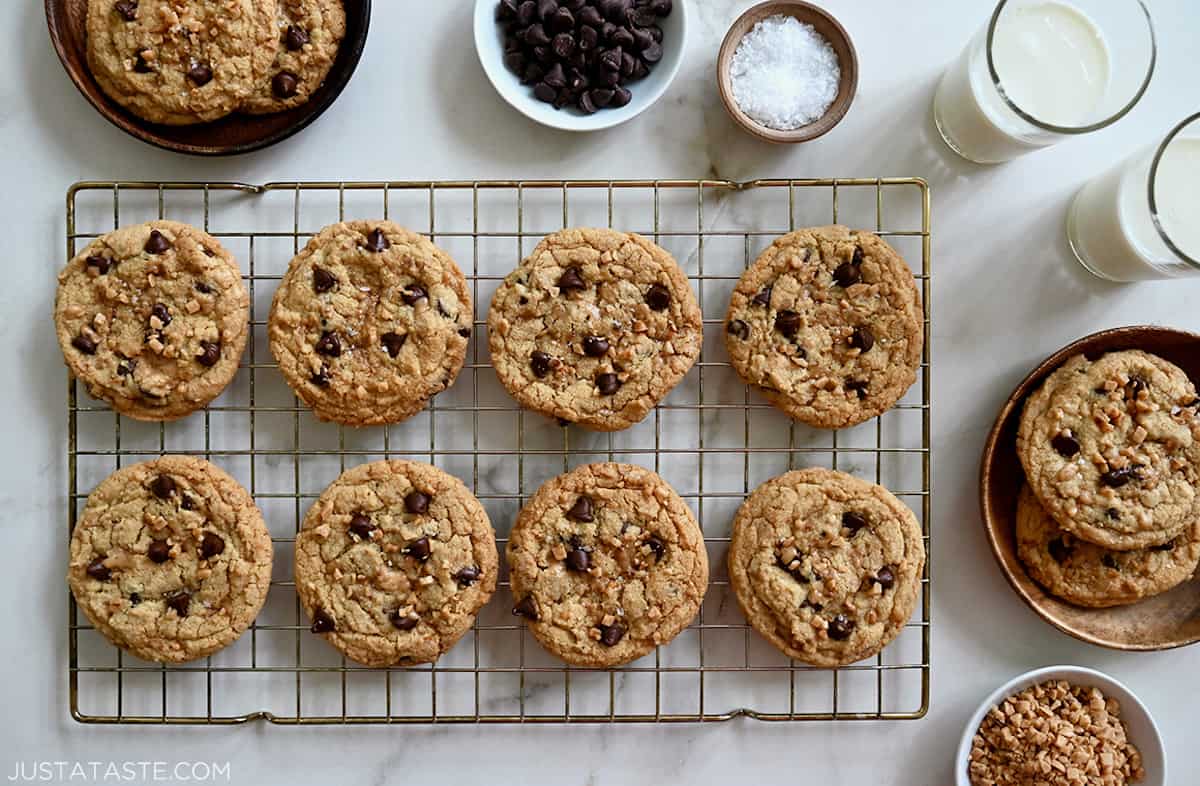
(825, 566)
(309, 33)
(153, 319)
(828, 325)
(606, 563)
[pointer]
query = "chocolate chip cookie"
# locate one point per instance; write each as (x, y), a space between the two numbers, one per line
(170, 559)
(1115, 456)
(153, 319)
(1089, 575)
(394, 561)
(828, 324)
(827, 567)
(309, 33)
(594, 328)
(606, 563)
(180, 63)
(370, 322)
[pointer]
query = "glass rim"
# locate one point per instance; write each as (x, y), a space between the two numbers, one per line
(1152, 180)
(1043, 125)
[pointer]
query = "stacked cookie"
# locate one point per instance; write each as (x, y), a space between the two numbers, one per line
(183, 63)
(1111, 452)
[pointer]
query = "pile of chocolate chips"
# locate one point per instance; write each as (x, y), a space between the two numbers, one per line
(582, 53)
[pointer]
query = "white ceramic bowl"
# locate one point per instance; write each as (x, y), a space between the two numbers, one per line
(489, 43)
(1139, 724)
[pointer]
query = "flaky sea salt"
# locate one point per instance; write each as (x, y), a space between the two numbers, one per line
(784, 74)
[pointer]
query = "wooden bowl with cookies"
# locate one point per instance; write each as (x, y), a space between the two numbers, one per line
(216, 78)
(1088, 489)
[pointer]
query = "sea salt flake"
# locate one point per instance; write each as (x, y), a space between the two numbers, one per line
(784, 74)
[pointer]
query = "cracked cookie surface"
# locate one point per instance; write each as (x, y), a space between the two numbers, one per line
(594, 328)
(370, 322)
(394, 561)
(828, 325)
(170, 559)
(1114, 457)
(309, 34)
(179, 63)
(1089, 575)
(606, 563)
(153, 319)
(827, 567)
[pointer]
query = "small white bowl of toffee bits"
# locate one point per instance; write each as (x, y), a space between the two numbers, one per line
(787, 71)
(1061, 726)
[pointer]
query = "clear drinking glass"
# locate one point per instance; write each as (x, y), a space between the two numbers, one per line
(1141, 219)
(1042, 71)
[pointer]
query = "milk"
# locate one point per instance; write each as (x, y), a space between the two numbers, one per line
(1052, 62)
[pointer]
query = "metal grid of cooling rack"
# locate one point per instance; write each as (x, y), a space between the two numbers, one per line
(711, 438)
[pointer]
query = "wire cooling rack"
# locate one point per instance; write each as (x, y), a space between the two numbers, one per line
(711, 438)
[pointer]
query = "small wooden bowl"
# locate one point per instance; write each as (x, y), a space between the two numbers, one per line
(67, 20)
(1159, 623)
(830, 29)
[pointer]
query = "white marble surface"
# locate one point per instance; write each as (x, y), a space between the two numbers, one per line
(1005, 295)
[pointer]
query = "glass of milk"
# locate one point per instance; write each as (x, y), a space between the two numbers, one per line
(1042, 71)
(1141, 219)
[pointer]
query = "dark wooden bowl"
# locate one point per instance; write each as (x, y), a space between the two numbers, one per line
(1162, 622)
(67, 20)
(830, 29)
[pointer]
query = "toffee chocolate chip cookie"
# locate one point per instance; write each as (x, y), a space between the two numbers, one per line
(180, 63)
(827, 567)
(828, 325)
(1115, 456)
(170, 559)
(1089, 575)
(594, 328)
(606, 563)
(309, 32)
(153, 319)
(394, 561)
(370, 322)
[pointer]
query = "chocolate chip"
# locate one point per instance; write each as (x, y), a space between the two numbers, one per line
(377, 241)
(1109, 561)
(621, 97)
(211, 545)
(526, 607)
(611, 635)
(203, 288)
(545, 93)
(581, 511)
(321, 377)
(101, 264)
(159, 551)
(1168, 546)
(413, 294)
(840, 627)
(579, 559)
(1059, 550)
(468, 575)
(862, 339)
(417, 502)
(187, 503)
(563, 45)
(1113, 514)
(84, 344)
(285, 84)
(157, 243)
(885, 578)
(738, 329)
(361, 526)
(853, 522)
(323, 280)
(163, 486)
(788, 323)
(161, 313)
(595, 346)
(419, 549)
(127, 9)
(200, 74)
(658, 297)
(329, 344)
(322, 622)
(295, 38)
(808, 604)
(393, 342)
(1136, 384)
(1116, 478)
(763, 298)
(179, 601)
(210, 353)
(608, 384)
(141, 63)
(847, 274)
(859, 386)
(657, 547)
(465, 332)
(134, 599)
(795, 571)
(653, 53)
(98, 570)
(126, 367)
(1065, 444)
(571, 279)
(540, 363)
(405, 622)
